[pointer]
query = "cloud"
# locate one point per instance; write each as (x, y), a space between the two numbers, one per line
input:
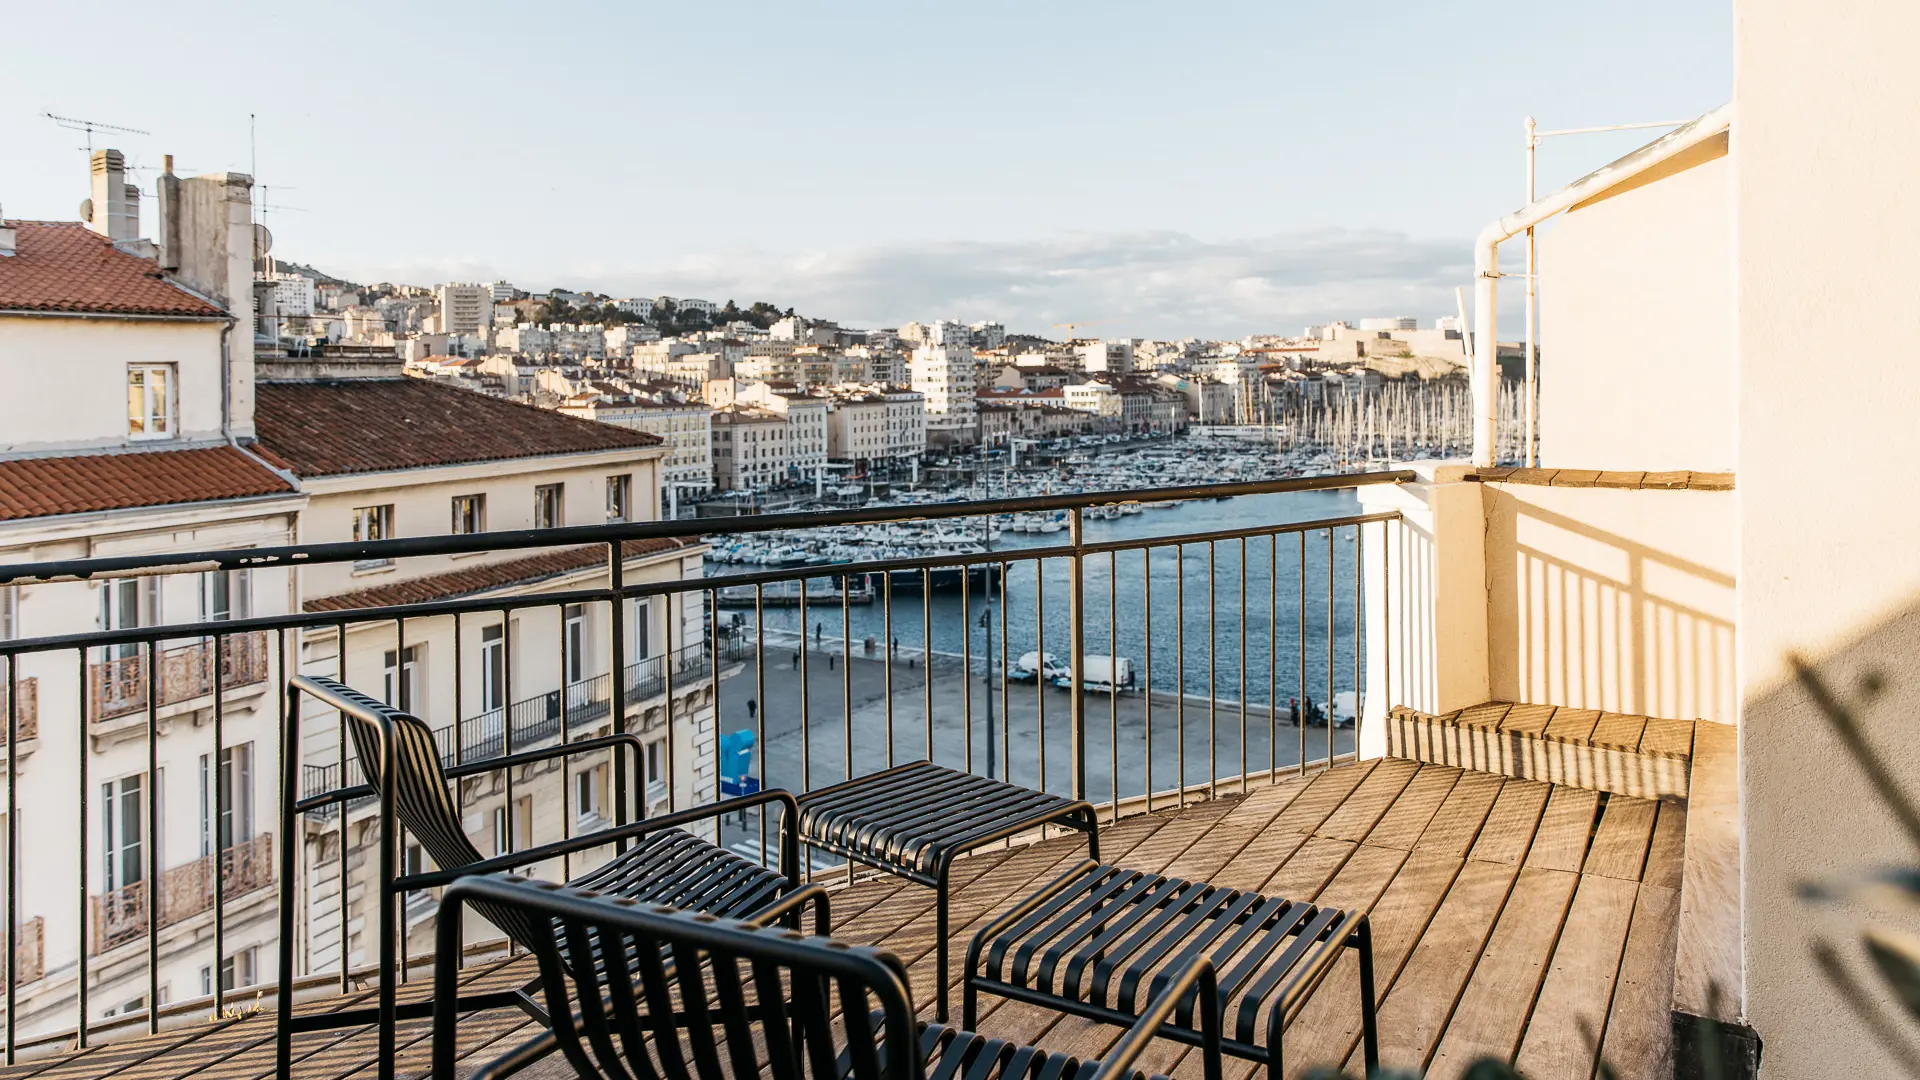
(1145, 284)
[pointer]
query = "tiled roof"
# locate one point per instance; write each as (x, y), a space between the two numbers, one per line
(486, 577)
(87, 483)
(379, 425)
(61, 266)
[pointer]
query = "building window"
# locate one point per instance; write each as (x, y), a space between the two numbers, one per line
(513, 831)
(656, 763)
(587, 788)
(123, 831)
(642, 628)
(126, 604)
(547, 506)
(372, 523)
(225, 595)
(573, 639)
(469, 514)
(150, 401)
(9, 613)
(493, 667)
(400, 679)
(620, 497)
(240, 969)
(230, 820)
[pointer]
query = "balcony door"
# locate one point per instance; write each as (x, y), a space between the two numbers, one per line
(226, 810)
(123, 831)
(128, 604)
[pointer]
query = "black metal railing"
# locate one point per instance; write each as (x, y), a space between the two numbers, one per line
(1186, 662)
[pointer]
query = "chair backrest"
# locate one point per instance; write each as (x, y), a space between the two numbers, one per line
(696, 1016)
(422, 800)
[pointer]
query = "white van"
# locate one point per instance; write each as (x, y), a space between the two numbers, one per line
(1108, 674)
(1033, 666)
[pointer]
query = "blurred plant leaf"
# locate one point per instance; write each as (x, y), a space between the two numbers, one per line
(1491, 1069)
(1897, 956)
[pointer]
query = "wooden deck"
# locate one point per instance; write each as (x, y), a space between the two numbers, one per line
(1512, 918)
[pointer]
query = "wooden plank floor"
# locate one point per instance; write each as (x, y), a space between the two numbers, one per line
(1512, 919)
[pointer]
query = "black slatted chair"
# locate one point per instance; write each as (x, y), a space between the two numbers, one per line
(659, 862)
(749, 1001)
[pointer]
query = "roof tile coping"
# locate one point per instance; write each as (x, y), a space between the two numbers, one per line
(1675, 480)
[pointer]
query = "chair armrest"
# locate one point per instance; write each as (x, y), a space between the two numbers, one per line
(515, 859)
(528, 757)
(469, 768)
(1198, 972)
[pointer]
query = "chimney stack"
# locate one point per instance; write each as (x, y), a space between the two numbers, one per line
(9, 241)
(168, 210)
(111, 215)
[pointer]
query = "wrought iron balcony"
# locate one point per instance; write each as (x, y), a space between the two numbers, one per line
(118, 686)
(122, 915)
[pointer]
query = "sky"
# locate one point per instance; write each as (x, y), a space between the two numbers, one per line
(1204, 168)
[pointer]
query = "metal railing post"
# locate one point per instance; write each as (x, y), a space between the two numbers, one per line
(1077, 650)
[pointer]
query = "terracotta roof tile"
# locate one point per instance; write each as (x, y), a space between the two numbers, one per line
(66, 267)
(485, 577)
(379, 425)
(86, 483)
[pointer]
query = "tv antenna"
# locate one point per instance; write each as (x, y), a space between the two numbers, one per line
(91, 126)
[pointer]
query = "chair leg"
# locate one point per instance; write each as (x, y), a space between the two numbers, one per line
(1093, 835)
(1370, 1034)
(940, 930)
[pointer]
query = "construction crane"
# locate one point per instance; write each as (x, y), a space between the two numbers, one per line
(1070, 327)
(91, 126)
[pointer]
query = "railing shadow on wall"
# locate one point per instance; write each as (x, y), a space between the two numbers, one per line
(1590, 618)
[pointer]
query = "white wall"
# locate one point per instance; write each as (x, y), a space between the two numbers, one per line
(67, 379)
(1635, 322)
(1619, 600)
(1826, 149)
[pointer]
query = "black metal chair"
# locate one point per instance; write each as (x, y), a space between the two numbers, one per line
(1098, 940)
(750, 1001)
(914, 820)
(663, 864)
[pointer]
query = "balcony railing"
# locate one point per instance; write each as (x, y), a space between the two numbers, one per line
(118, 686)
(120, 916)
(1220, 622)
(26, 710)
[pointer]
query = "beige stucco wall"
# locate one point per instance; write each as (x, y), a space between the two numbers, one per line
(67, 379)
(1635, 316)
(1826, 217)
(1612, 599)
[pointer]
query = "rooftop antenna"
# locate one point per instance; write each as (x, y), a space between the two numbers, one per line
(91, 126)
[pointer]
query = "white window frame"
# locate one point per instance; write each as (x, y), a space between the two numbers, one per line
(151, 418)
(226, 595)
(372, 523)
(469, 514)
(588, 785)
(123, 831)
(493, 667)
(620, 497)
(128, 603)
(400, 683)
(549, 506)
(573, 642)
(236, 775)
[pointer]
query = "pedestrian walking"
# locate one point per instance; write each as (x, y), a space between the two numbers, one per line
(796, 659)
(830, 661)
(753, 710)
(1293, 711)
(816, 635)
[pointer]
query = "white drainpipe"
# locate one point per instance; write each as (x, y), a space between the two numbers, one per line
(1486, 258)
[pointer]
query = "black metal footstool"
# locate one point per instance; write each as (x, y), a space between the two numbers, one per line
(1100, 942)
(915, 819)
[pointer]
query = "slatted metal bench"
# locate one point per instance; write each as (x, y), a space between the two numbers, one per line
(1100, 941)
(915, 819)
